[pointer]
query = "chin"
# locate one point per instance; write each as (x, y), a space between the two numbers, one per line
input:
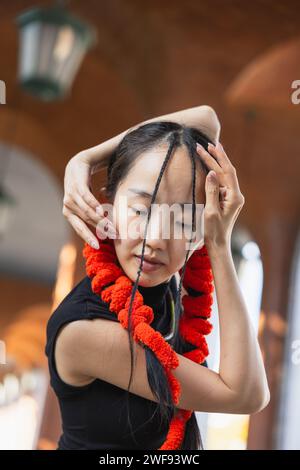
(146, 279)
(144, 283)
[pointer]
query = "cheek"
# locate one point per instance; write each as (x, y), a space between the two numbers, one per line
(119, 219)
(124, 248)
(126, 225)
(177, 249)
(124, 245)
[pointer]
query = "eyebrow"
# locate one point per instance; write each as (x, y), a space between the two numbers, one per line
(142, 193)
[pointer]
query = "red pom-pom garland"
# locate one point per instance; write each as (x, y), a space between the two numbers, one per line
(109, 281)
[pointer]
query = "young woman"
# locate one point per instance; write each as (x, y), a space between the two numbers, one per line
(131, 280)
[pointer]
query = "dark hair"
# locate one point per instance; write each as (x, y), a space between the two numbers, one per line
(139, 140)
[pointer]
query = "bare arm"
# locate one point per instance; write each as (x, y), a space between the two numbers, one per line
(202, 117)
(80, 206)
(99, 348)
(241, 363)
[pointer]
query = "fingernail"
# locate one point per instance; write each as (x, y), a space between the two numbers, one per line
(111, 231)
(211, 145)
(94, 244)
(99, 210)
(212, 175)
(199, 146)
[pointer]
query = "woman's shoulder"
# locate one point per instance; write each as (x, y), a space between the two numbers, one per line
(81, 303)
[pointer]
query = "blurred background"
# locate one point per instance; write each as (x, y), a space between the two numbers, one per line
(74, 74)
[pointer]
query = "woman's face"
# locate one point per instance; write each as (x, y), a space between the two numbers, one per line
(167, 238)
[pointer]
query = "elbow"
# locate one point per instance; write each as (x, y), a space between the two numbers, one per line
(258, 400)
(210, 111)
(265, 400)
(214, 123)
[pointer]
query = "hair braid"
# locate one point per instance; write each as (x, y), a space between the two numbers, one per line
(133, 144)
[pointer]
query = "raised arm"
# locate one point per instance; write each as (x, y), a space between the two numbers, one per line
(79, 204)
(201, 117)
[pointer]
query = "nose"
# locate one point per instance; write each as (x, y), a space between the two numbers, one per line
(156, 236)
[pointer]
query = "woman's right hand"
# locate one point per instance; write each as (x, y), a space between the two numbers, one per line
(224, 199)
(80, 207)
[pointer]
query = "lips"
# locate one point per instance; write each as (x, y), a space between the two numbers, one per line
(148, 266)
(150, 260)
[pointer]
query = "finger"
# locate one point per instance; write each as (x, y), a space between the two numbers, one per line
(82, 230)
(209, 161)
(106, 229)
(94, 213)
(228, 168)
(219, 153)
(212, 192)
(74, 204)
(90, 200)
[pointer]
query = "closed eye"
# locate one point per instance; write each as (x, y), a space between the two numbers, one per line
(138, 212)
(141, 213)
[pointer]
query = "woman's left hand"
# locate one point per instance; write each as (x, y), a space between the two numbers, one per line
(225, 198)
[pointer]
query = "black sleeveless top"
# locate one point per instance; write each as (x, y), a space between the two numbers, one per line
(94, 416)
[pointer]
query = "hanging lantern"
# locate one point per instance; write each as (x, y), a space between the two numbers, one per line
(52, 46)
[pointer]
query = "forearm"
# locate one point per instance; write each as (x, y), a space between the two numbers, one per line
(202, 117)
(241, 364)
